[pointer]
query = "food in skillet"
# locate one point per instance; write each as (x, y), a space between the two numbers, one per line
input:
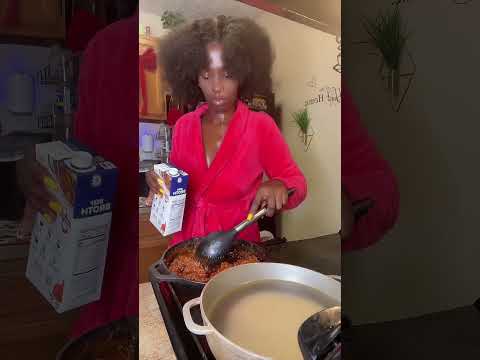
(186, 265)
(106, 348)
(115, 341)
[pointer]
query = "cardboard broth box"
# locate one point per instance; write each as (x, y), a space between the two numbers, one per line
(67, 255)
(168, 206)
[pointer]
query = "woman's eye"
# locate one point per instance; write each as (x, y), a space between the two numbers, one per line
(227, 75)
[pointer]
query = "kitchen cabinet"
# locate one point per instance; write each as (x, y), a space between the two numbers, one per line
(151, 244)
(33, 19)
(153, 89)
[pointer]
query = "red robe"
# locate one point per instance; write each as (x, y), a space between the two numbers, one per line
(219, 197)
(107, 121)
(365, 174)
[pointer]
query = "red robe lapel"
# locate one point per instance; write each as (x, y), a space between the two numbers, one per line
(229, 147)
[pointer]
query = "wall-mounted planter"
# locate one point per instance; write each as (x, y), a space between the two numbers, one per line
(303, 121)
(397, 82)
(388, 36)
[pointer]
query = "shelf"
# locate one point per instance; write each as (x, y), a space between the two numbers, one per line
(47, 32)
(150, 119)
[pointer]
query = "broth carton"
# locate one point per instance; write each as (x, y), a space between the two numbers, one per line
(168, 206)
(67, 254)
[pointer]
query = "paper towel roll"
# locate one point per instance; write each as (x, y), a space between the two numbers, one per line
(20, 94)
(147, 143)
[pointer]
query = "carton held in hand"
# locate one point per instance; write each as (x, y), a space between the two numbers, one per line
(67, 254)
(168, 206)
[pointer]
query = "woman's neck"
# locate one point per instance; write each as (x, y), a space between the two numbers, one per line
(219, 117)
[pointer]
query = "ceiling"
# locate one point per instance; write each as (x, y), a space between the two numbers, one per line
(326, 12)
(321, 14)
(197, 9)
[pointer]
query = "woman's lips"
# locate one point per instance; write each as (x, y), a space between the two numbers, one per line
(219, 101)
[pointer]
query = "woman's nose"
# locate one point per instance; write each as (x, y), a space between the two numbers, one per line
(217, 84)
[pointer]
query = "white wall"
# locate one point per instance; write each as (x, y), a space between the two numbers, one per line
(430, 261)
(302, 53)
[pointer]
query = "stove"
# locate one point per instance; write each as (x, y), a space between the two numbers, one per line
(320, 254)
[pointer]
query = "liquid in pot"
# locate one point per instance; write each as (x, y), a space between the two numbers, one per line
(264, 316)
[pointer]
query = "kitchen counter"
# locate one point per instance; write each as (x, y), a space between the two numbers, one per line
(321, 254)
(154, 341)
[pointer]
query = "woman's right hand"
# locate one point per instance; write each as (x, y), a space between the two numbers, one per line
(37, 194)
(152, 181)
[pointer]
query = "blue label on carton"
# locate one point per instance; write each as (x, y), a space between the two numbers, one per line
(95, 193)
(95, 190)
(179, 185)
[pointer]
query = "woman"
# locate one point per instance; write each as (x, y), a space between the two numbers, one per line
(224, 147)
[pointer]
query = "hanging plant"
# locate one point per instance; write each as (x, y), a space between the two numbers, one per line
(171, 19)
(387, 33)
(303, 121)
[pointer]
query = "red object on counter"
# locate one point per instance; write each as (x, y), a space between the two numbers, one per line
(219, 196)
(107, 121)
(146, 62)
(365, 174)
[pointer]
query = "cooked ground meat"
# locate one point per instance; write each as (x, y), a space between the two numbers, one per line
(186, 265)
(117, 348)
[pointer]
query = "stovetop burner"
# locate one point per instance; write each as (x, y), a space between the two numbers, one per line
(171, 297)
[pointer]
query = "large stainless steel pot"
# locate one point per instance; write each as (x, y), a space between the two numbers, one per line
(221, 347)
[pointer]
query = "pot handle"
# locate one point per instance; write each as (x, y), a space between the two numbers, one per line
(191, 325)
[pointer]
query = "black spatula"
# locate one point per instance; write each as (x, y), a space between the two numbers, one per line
(215, 246)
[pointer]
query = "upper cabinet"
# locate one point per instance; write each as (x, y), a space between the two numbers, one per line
(33, 19)
(153, 91)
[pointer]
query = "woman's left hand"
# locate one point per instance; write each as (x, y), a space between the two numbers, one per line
(273, 194)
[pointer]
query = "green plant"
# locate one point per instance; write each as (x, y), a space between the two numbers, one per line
(171, 19)
(302, 119)
(387, 33)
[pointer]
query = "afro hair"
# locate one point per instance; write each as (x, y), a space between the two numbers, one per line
(247, 54)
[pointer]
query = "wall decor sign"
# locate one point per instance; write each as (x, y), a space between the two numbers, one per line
(330, 95)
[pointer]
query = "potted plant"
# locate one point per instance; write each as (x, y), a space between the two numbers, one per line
(387, 33)
(303, 121)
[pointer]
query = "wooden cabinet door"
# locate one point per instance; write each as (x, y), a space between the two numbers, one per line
(151, 245)
(38, 19)
(155, 84)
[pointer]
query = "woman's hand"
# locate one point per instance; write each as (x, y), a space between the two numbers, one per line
(272, 194)
(36, 190)
(348, 217)
(152, 181)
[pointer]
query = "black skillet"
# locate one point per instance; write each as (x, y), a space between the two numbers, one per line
(159, 271)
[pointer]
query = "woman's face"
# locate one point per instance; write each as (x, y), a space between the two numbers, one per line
(218, 87)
